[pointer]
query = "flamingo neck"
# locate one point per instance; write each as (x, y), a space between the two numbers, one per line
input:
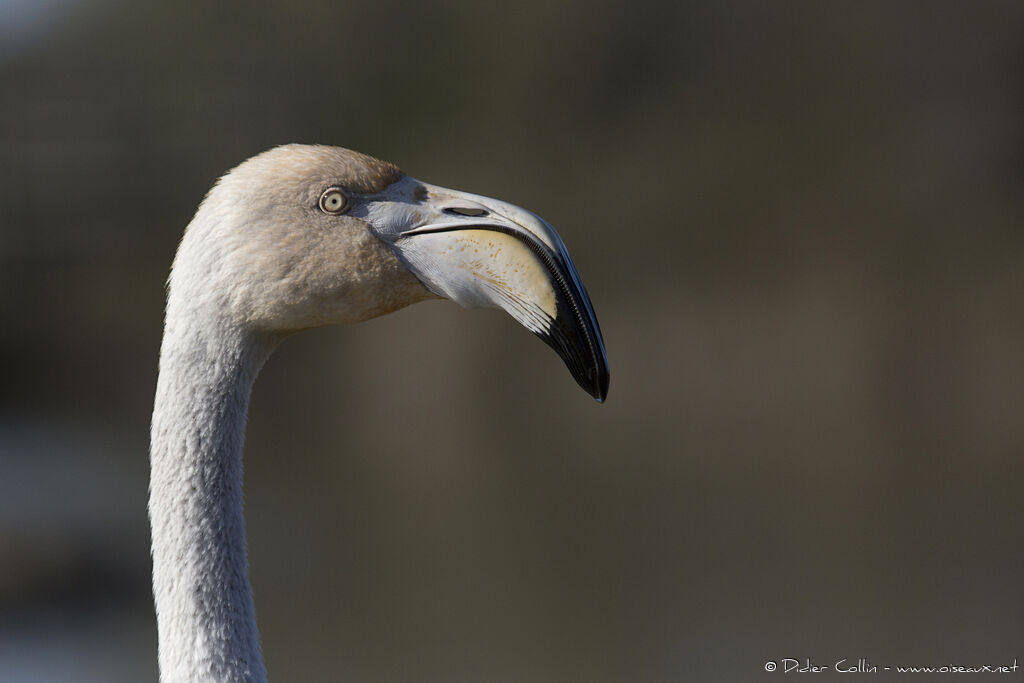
(204, 606)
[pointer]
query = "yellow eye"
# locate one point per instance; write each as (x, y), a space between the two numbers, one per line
(333, 201)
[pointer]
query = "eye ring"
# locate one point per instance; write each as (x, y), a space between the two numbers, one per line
(333, 201)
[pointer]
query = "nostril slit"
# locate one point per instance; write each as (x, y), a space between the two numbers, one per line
(465, 211)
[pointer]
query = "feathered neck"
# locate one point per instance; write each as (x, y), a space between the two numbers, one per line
(204, 605)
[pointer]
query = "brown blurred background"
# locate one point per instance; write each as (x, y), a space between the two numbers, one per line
(802, 226)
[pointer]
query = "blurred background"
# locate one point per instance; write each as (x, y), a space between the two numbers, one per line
(801, 224)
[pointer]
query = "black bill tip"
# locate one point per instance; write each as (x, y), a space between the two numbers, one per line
(576, 337)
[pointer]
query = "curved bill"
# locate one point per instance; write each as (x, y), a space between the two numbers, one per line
(479, 251)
